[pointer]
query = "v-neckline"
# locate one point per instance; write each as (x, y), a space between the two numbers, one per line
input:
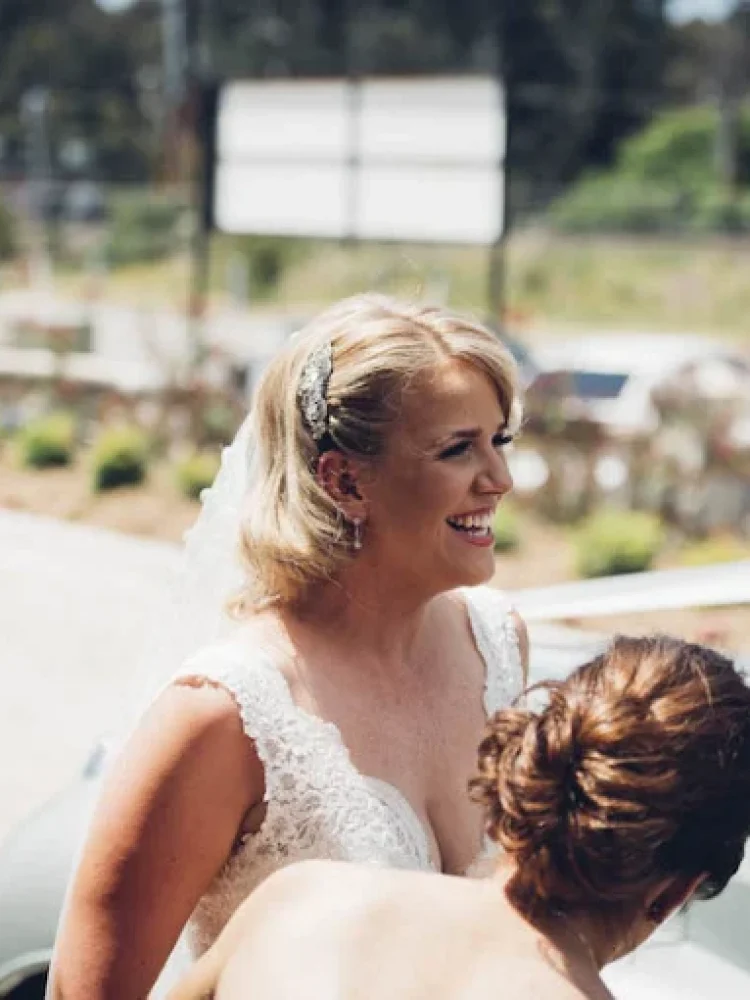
(388, 793)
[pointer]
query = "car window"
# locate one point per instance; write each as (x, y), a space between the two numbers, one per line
(598, 385)
(585, 384)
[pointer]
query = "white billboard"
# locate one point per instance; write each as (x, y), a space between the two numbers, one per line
(395, 159)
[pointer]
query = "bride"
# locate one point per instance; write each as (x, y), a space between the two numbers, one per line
(338, 718)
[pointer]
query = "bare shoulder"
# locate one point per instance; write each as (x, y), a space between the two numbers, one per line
(497, 981)
(310, 876)
(194, 713)
(318, 879)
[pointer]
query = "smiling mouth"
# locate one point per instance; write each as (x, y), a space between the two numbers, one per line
(477, 526)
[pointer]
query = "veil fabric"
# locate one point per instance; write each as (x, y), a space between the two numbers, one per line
(209, 570)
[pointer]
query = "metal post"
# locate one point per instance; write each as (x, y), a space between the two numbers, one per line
(33, 114)
(174, 51)
(203, 106)
(354, 94)
(497, 270)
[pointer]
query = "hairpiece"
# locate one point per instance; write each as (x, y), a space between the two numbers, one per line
(313, 387)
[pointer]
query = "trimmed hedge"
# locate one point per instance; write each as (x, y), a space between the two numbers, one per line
(119, 458)
(48, 441)
(612, 542)
(506, 528)
(196, 473)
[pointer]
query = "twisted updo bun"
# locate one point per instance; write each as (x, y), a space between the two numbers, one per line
(637, 768)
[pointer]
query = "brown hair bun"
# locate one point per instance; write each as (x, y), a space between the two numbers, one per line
(637, 768)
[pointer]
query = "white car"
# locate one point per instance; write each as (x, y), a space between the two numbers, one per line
(610, 379)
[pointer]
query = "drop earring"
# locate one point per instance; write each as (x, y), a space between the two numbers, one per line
(357, 540)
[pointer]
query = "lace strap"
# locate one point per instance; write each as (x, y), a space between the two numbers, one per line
(261, 695)
(497, 641)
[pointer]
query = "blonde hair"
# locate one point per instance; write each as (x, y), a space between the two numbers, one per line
(292, 535)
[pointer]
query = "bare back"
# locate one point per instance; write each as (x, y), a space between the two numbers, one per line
(361, 933)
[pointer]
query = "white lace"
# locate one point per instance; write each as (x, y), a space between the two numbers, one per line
(318, 804)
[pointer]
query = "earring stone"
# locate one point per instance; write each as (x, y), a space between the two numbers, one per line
(357, 540)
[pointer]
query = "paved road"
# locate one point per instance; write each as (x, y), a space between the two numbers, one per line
(79, 609)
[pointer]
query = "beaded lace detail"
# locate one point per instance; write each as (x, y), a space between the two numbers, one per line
(318, 804)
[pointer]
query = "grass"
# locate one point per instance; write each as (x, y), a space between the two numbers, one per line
(647, 283)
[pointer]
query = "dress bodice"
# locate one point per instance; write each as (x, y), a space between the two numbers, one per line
(318, 804)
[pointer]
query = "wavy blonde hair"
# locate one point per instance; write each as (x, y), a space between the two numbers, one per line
(292, 535)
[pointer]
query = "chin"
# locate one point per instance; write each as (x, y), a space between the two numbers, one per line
(473, 573)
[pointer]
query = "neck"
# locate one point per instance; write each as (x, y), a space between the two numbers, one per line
(581, 940)
(378, 616)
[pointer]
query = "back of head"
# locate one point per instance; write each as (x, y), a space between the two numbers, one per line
(292, 534)
(637, 769)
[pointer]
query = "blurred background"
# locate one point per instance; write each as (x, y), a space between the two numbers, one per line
(165, 227)
(131, 335)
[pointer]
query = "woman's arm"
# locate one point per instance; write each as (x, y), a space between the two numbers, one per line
(166, 822)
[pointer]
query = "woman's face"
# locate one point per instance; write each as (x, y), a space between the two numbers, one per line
(434, 492)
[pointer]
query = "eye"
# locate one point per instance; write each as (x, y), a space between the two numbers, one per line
(455, 450)
(502, 440)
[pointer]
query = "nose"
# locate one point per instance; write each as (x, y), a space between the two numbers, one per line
(495, 478)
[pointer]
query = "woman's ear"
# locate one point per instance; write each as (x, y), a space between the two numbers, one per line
(671, 896)
(341, 477)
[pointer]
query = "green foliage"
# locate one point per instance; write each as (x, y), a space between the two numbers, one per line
(8, 233)
(612, 542)
(268, 257)
(119, 458)
(677, 148)
(719, 211)
(665, 178)
(506, 528)
(48, 441)
(196, 473)
(717, 549)
(612, 202)
(144, 227)
(88, 61)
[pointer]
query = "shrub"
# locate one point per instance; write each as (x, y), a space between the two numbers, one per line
(268, 257)
(144, 226)
(8, 234)
(506, 528)
(677, 147)
(48, 441)
(196, 473)
(665, 178)
(720, 211)
(119, 458)
(613, 542)
(612, 202)
(718, 549)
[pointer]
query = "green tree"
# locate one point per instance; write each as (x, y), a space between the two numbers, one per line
(88, 66)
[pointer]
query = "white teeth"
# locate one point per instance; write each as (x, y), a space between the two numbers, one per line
(472, 522)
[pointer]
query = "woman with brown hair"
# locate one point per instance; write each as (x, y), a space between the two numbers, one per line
(622, 799)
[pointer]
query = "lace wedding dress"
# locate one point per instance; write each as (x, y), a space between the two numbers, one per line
(318, 804)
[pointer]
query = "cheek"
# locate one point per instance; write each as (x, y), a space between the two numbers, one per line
(421, 495)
